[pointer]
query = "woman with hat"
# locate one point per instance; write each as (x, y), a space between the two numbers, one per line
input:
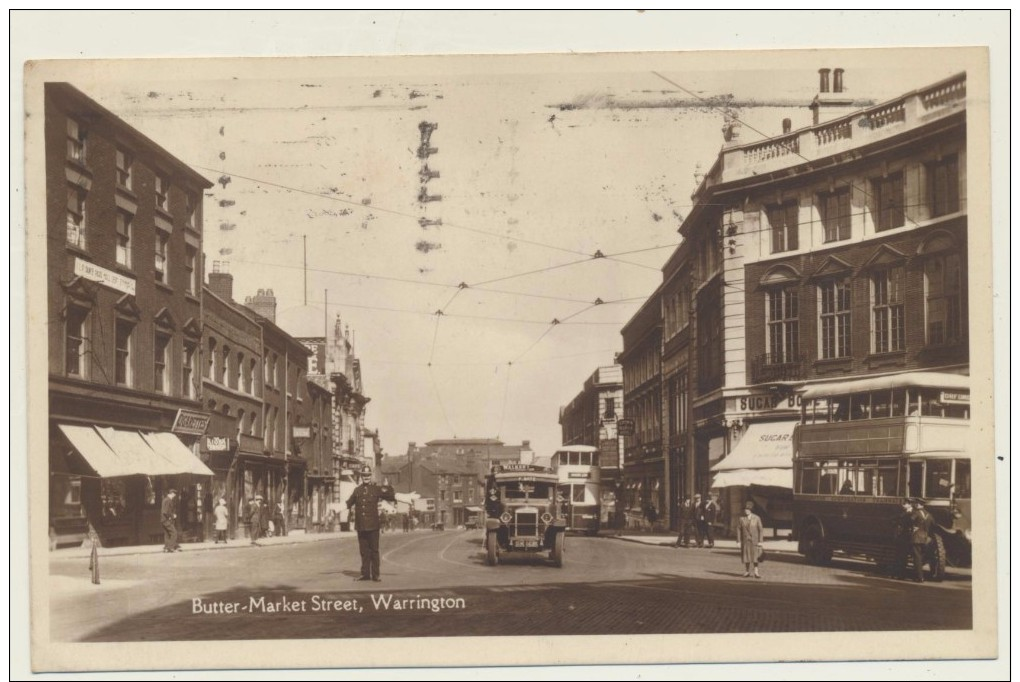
(751, 533)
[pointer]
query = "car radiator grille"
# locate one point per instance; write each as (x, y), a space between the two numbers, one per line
(527, 524)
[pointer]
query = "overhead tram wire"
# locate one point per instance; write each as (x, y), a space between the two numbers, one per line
(390, 211)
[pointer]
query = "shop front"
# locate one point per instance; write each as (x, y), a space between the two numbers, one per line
(760, 468)
(113, 480)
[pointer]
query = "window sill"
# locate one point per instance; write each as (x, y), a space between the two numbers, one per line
(164, 213)
(127, 192)
(892, 358)
(192, 297)
(124, 269)
(76, 250)
(78, 165)
(834, 365)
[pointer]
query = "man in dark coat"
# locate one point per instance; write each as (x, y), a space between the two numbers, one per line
(255, 519)
(365, 502)
(920, 535)
(168, 517)
(706, 514)
(686, 523)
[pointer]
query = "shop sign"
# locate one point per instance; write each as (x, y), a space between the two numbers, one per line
(91, 271)
(766, 402)
(217, 444)
(190, 423)
(302, 432)
(625, 427)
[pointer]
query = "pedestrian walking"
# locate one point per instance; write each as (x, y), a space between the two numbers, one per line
(750, 534)
(686, 523)
(706, 513)
(406, 522)
(279, 525)
(221, 515)
(168, 517)
(365, 502)
(265, 516)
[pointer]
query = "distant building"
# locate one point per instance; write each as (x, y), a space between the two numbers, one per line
(124, 294)
(590, 419)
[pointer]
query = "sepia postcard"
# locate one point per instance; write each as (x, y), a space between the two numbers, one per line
(510, 360)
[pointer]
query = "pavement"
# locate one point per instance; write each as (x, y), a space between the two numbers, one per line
(292, 538)
(780, 544)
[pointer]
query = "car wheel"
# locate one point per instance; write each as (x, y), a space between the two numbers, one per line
(556, 554)
(492, 549)
(815, 548)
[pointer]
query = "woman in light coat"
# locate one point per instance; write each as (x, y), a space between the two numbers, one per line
(220, 514)
(750, 533)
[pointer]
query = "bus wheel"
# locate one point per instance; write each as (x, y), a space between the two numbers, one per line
(937, 559)
(814, 546)
(556, 554)
(492, 549)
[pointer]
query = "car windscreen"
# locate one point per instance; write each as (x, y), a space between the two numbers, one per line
(520, 490)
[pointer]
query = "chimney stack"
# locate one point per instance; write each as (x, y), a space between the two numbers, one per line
(221, 282)
(827, 105)
(263, 303)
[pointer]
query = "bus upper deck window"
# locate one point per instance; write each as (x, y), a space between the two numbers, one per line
(575, 458)
(899, 402)
(860, 406)
(930, 405)
(840, 408)
(881, 404)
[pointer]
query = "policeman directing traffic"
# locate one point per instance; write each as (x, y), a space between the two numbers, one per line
(365, 501)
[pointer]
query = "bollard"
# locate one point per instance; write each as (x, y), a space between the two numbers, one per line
(94, 556)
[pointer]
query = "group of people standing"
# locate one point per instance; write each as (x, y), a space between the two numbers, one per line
(265, 520)
(697, 520)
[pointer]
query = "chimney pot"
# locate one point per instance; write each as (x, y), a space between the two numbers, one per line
(787, 126)
(823, 80)
(837, 80)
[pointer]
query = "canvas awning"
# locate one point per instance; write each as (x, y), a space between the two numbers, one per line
(764, 456)
(474, 509)
(114, 452)
(775, 478)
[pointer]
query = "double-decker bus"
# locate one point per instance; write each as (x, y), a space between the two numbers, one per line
(864, 445)
(577, 469)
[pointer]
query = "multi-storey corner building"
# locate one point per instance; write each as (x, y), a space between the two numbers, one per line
(833, 251)
(124, 245)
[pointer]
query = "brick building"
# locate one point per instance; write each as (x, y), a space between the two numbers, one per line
(232, 394)
(124, 244)
(645, 473)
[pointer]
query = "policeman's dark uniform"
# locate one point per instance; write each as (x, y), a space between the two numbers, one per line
(920, 536)
(365, 502)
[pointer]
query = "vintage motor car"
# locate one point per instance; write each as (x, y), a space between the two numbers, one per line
(522, 514)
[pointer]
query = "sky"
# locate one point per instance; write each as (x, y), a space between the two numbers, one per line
(541, 165)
